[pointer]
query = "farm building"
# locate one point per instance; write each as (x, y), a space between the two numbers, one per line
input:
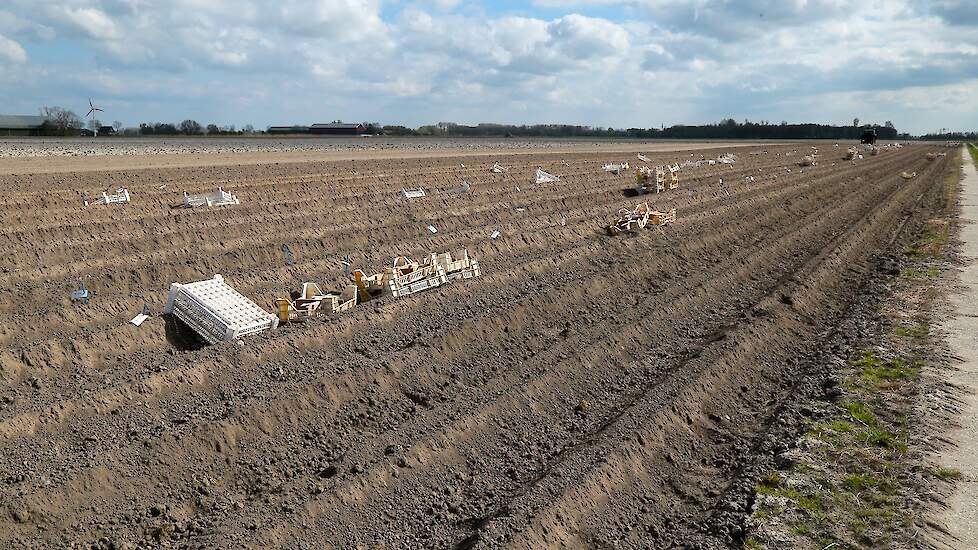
(338, 129)
(288, 129)
(331, 129)
(20, 125)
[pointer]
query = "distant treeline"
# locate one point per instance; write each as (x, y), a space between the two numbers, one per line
(951, 136)
(727, 129)
(65, 122)
(190, 128)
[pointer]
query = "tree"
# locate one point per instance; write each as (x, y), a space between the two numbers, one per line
(213, 129)
(393, 130)
(117, 125)
(855, 122)
(94, 124)
(157, 128)
(248, 129)
(191, 127)
(61, 121)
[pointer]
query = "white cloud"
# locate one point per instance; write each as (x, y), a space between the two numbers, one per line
(348, 20)
(638, 63)
(12, 51)
(90, 21)
(580, 37)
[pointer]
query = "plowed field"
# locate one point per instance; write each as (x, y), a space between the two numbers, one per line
(586, 391)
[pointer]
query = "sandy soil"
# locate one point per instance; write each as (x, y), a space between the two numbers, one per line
(47, 155)
(586, 391)
(961, 514)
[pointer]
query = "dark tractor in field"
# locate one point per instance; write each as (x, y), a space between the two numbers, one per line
(869, 137)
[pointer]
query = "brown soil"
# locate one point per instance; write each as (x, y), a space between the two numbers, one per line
(586, 391)
(47, 155)
(862, 472)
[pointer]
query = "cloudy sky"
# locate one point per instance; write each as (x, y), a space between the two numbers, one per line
(620, 63)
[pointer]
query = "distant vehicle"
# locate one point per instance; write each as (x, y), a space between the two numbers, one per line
(85, 132)
(869, 137)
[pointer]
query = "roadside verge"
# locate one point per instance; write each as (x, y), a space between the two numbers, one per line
(866, 470)
(961, 329)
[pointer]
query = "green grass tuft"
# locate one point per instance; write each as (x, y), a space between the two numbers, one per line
(946, 474)
(877, 372)
(913, 273)
(772, 480)
(840, 426)
(882, 438)
(917, 330)
(764, 512)
(860, 413)
(860, 482)
(809, 503)
(932, 242)
(800, 529)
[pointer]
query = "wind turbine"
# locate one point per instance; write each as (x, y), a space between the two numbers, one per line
(90, 114)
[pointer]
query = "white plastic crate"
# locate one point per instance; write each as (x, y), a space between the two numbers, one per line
(450, 262)
(423, 277)
(216, 311)
(435, 270)
(217, 198)
(545, 177)
(414, 276)
(615, 169)
(121, 197)
(674, 177)
(471, 271)
(645, 183)
(413, 193)
(400, 289)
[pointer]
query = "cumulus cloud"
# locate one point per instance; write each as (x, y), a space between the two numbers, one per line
(581, 37)
(603, 62)
(91, 21)
(347, 20)
(11, 51)
(955, 12)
